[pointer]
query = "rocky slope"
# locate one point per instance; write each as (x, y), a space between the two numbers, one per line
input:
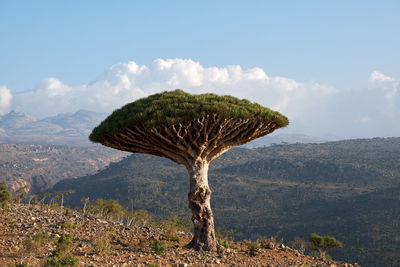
(128, 246)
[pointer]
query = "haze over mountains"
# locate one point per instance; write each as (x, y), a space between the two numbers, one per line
(74, 128)
(64, 129)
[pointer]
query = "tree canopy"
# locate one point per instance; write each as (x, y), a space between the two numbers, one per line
(172, 107)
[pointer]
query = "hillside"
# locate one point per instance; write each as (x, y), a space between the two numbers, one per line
(348, 189)
(41, 166)
(32, 234)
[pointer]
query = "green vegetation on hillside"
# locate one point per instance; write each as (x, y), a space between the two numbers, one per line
(348, 189)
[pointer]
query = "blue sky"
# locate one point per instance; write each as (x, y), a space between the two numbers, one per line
(338, 44)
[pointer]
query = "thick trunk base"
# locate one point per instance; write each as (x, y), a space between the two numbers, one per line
(202, 216)
(203, 221)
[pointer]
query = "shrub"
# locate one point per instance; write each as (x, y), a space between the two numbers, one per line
(62, 255)
(64, 245)
(171, 226)
(5, 196)
(253, 248)
(68, 212)
(270, 242)
(299, 244)
(225, 238)
(159, 246)
(142, 217)
(68, 224)
(20, 194)
(35, 244)
(10, 221)
(107, 208)
(102, 245)
(66, 261)
(323, 243)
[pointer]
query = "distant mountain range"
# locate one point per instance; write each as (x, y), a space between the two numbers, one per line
(74, 128)
(62, 129)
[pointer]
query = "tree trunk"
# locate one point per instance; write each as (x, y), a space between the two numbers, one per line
(199, 203)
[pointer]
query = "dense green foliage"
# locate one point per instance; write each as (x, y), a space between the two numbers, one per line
(347, 189)
(324, 243)
(169, 108)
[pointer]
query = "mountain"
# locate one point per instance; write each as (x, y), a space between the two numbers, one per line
(63, 129)
(347, 189)
(83, 121)
(15, 119)
(276, 139)
(40, 166)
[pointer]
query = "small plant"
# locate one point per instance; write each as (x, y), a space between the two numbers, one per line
(5, 197)
(159, 246)
(10, 221)
(20, 194)
(53, 206)
(107, 208)
(68, 224)
(66, 261)
(68, 212)
(64, 245)
(323, 243)
(171, 226)
(18, 265)
(62, 255)
(102, 245)
(142, 217)
(298, 244)
(33, 245)
(253, 248)
(225, 238)
(85, 202)
(270, 242)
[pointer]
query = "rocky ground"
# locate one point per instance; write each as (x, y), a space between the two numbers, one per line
(98, 242)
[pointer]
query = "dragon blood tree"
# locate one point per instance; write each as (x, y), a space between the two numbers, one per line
(191, 130)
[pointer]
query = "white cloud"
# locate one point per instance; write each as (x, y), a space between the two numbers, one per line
(313, 108)
(126, 82)
(389, 85)
(5, 98)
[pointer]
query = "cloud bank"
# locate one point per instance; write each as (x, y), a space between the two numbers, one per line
(5, 98)
(311, 107)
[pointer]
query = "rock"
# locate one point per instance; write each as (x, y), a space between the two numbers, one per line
(271, 245)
